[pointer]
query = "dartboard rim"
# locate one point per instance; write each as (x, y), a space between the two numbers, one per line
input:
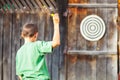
(101, 21)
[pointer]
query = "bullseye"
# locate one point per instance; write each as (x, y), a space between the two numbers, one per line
(92, 28)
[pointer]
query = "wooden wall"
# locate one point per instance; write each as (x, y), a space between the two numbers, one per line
(10, 27)
(88, 60)
(68, 62)
(10, 40)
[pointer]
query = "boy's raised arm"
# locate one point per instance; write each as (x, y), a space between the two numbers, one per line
(56, 35)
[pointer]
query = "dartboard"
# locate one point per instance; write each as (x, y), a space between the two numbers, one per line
(92, 28)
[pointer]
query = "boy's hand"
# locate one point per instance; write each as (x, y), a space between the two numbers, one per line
(56, 18)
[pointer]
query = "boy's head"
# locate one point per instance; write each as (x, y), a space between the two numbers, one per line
(29, 30)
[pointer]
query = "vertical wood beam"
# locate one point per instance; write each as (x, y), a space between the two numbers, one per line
(118, 7)
(118, 11)
(118, 24)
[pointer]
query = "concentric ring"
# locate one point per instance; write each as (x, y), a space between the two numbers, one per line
(92, 28)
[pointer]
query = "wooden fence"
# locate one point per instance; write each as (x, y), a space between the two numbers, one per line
(10, 40)
(92, 60)
(79, 59)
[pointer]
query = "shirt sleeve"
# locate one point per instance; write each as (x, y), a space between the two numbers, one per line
(45, 46)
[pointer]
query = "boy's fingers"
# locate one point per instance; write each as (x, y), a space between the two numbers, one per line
(56, 18)
(56, 15)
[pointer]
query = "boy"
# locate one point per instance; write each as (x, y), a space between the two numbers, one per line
(30, 58)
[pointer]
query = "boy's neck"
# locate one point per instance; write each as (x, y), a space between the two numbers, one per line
(28, 40)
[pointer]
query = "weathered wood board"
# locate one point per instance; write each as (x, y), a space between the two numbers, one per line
(92, 61)
(10, 40)
(87, 60)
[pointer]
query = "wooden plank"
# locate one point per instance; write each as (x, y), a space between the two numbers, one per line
(39, 4)
(80, 42)
(11, 7)
(75, 1)
(118, 23)
(29, 4)
(23, 2)
(112, 30)
(54, 3)
(101, 68)
(1, 47)
(25, 5)
(119, 53)
(7, 47)
(91, 67)
(112, 37)
(61, 6)
(71, 64)
(81, 68)
(43, 2)
(112, 1)
(102, 43)
(4, 5)
(118, 20)
(75, 17)
(46, 30)
(63, 33)
(15, 5)
(112, 67)
(71, 45)
(90, 52)
(93, 5)
(50, 28)
(76, 67)
(10, 46)
(15, 41)
(35, 4)
(49, 3)
(41, 26)
(20, 21)
(55, 64)
(72, 35)
(19, 4)
(62, 52)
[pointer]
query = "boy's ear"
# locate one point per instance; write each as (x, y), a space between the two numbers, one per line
(36, 35)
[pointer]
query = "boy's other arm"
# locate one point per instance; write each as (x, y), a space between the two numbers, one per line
(20, 78)
(56, 35)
